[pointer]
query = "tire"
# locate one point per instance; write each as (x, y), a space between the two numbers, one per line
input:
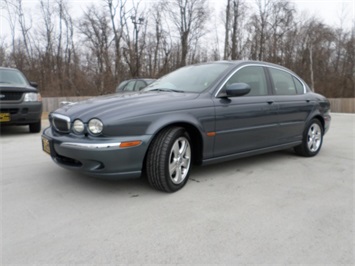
(169, 160)
(312, 139)
(35, 127)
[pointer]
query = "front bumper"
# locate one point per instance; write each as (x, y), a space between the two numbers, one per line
(99, 157)
(21, 113)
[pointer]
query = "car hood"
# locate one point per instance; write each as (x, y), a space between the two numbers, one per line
(16, 88)
(126, 105)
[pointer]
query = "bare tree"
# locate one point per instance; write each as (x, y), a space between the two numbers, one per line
(134, 43)
(235, 16)
(21, 49)
(226, 28)
(10, 8)
(24, 26)
(105, 46)
(270, 26)
(314, 54)
(158, 38)
(117, 11)
(280, 23)
(65, 51)
(260, 25)
(94, 26)
(2, 55)
(189, 18)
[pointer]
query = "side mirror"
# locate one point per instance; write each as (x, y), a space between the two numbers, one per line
(34, 84)
(237, 89)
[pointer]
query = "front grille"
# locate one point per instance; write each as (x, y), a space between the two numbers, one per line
(60, 123)
(10, 96)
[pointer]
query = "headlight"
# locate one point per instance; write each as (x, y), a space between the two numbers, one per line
(95, 126)
(78, 126)
(32, 97)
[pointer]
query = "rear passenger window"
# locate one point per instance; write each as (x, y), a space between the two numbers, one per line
(283, 82)
(254, 76)
(139, 85)
(299, 86)
(130, 86)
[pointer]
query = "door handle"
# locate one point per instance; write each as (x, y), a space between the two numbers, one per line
(270, 101)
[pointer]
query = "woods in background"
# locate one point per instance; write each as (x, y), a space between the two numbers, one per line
(114, 40)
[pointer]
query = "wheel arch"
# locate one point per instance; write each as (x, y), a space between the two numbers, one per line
(321, 120)
(192, 130)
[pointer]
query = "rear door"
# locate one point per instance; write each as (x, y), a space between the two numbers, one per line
(294, 104)
(248, 122)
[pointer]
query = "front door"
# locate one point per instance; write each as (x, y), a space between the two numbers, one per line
(248, 122)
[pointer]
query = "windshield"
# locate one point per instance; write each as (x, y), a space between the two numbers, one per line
(12, 77)
(195, 78)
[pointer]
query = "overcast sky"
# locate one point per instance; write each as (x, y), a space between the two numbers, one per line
(329, 11)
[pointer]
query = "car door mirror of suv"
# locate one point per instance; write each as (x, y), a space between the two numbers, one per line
(237, 89)
(34, 84)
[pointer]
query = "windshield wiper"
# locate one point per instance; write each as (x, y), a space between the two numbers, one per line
(169, 90)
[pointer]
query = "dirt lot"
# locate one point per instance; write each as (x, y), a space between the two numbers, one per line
(274, 208)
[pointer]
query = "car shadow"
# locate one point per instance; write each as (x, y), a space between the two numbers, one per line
(136, 187)
(11, 130)
(14, 130)
(140, 186)
(243, 165)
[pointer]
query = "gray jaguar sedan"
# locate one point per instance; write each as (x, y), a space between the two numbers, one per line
(198, 114)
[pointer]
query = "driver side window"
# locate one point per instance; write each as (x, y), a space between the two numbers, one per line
(254, 76)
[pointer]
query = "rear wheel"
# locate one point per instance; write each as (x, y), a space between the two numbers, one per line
(312, 139)
(169, 160)
(35, 127)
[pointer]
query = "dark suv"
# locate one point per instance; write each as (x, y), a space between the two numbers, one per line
(20, 101)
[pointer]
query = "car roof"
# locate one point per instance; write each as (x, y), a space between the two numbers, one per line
(239, 62)
(236, 63)
(147, 79)
(9, 68)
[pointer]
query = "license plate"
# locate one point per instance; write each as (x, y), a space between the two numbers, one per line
(5, 117)
(46, 145)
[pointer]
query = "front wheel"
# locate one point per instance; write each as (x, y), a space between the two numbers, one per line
(169, 159)
(312, 139)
